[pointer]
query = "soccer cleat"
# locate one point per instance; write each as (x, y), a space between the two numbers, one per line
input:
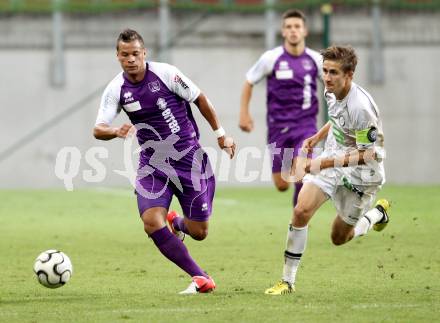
(170, 218)
(383, 206)
(199, 284)
(280, 288)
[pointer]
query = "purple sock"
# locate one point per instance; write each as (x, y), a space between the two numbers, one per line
(174, 249)
(295, 195)
(179, 224)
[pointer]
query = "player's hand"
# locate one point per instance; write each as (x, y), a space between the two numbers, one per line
(125, 130)
(228, 145)
(309, 144)
(246, 123)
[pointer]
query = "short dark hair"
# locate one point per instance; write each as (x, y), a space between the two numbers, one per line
(345, 55)
(129, 35)
(294, 13)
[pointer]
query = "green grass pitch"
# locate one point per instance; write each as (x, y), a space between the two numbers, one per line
(119, 276)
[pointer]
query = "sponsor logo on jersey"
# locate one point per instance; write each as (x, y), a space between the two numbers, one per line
(168, 115)
(132, 107)
(128, 96)
(171, 120)
(284, 72)
(161, 103)
(204, 206)
(179, 81)
(284, 65)
(341, 121)
(154, 86)
(307, 64)
(284, 75)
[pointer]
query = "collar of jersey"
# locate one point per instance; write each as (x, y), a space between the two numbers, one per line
(138, 84)
(345, 99)
(293, 56)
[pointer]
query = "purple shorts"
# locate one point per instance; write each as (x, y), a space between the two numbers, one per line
(286, 137)
(190, 179)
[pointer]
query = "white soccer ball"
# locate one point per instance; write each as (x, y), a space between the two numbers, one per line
(53, 268)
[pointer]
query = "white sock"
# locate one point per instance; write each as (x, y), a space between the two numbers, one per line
(367, 221)
(362, 227)
(295, 246)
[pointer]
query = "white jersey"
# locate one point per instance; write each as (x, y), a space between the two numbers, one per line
(356, 124)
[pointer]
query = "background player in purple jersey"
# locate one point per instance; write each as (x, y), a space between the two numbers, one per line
(291, 71)
(156, 97)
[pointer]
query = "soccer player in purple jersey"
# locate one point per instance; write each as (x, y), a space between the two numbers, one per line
(291, 71)
(156, 97)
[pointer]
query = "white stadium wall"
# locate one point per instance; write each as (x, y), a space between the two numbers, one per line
(407, 99)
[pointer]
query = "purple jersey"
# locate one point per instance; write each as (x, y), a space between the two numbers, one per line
(159, 105)
(291, 86)
(172, 161)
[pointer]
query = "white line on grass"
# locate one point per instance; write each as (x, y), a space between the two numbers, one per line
(363, 306)
(6, 313)
(274, 308)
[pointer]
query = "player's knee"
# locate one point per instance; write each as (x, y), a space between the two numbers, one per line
(199, 234)
(150, 228)
(338, 239)
(280, 183)
(282, 186)
(151, 225)
(301, 213)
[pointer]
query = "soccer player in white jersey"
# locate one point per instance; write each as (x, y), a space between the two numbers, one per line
(349, 171)
(291, 71)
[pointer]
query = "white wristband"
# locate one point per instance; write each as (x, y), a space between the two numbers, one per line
(220, 132)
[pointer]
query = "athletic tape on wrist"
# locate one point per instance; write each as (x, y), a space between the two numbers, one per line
(220, 132)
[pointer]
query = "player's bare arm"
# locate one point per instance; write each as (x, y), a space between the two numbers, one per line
(311, 142)
(208, 112)
(246, 123)
(103, 131)
(353, 158)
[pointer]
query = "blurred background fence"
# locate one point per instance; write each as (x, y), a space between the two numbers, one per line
(56, 57)
(95, 6)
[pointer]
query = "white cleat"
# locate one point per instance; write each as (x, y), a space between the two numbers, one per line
(200, 284)
(192, 289)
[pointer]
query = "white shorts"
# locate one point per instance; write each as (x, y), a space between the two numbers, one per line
(349, 205)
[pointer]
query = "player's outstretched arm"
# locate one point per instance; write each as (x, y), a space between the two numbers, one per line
(352, 158)
(246, 123)
(311, 142)
(208, 112)
(314, 166)
(103, 131)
